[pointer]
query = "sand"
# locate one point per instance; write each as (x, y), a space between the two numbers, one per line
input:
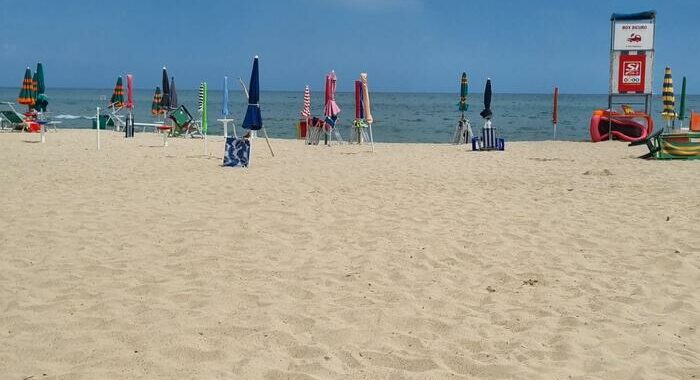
(551, 260)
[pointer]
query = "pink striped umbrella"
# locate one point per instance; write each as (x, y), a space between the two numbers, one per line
(331, 109)
(306, 111)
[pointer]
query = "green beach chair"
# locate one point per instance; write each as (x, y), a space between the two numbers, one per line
(11, 118)
(185, 125)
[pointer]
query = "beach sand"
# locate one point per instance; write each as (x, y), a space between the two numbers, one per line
(551, 260)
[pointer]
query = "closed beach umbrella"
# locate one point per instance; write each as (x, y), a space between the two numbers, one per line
(173, 94)
(165, 99)
(41, 85)
(555, 111)
(366, 106)
(669, 99)
(463, 92)
(42, 101)
(35, 89)
(253, 117)
(486, 113)
(157, 105)
(358, 100)
(681, 112)
(202, 106)
(117, 100)
(331, 107)
(224, 106)
(25, 93)
(129, 91)
(306, 110)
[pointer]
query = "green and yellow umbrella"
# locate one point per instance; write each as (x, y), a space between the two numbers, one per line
(42, 101)
(156, 106)
(25, 94)
(117, 100)
(669, 99)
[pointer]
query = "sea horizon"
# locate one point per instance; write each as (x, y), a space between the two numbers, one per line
(413, 117)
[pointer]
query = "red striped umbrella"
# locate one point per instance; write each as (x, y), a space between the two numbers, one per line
(306, 111)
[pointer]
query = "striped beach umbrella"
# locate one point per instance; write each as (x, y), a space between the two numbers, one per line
(331, 108)
(224, 106)
(669, 99)
(25, 93)
(165, 100)
(117, 100)
(253, 117)
(202, 105)
(463, 91)
(306, 110)
(157, 105)
(487, 113)
(35, 88)
(681, 111)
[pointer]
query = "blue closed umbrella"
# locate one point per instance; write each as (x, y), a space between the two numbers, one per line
(173, 94)
(165, 101)
(253, 118)
(486, 113)
(224, 108)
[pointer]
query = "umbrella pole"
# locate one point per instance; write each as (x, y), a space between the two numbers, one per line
(555, 131)
(97, 123)
(371, 138)
(268, 141)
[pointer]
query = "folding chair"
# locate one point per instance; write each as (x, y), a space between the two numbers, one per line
(185, 125)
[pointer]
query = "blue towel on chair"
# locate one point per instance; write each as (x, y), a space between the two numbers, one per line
(330, 121)
(237, 152)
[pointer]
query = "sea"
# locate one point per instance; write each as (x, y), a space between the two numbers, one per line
(398, 117)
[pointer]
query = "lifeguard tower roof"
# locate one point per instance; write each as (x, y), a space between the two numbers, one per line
(633, 16)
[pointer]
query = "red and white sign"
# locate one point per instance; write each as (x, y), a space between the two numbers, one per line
(633, 35)
(632, 73)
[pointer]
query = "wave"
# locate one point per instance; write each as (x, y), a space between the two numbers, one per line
(72, 117)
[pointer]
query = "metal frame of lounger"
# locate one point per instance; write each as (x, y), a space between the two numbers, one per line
(117, 119)
(8, 115)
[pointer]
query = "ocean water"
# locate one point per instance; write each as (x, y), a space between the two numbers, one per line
(399, 117)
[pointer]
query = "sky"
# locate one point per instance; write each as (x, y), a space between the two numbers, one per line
(404, 45)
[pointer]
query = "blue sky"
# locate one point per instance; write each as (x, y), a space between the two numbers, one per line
(404, 45)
